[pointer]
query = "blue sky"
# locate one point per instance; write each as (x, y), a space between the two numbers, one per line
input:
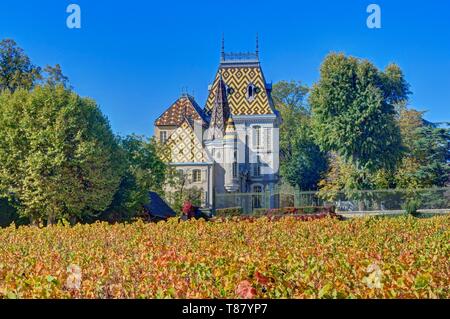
(134, 57)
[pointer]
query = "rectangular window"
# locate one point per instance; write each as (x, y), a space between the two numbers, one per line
(268, 139)
(257, 167)
(257, 137)
(196, 175)
(163, 136)
(235, 169)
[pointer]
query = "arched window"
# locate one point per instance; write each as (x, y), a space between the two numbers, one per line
(235, 165)
(251, 92)
(257, 189)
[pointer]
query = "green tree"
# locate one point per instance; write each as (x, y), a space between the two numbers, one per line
(16, 69)
(291, 95)
(58, 155)
(144, 172)
(354, 115)
(425, 162)
(432, 151)
(301, 161)
(305, 164)
(53, 76)
(289, 99)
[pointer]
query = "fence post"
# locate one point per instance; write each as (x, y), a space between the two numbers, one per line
(297, 197)
(267, 195)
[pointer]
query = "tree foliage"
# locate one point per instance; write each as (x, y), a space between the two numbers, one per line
(425, 162)
(144, 171)
(301, 160)
(16, 69)
(304, 165)
(290, 95)
(59, 156)
(53, 76)
(353, 111)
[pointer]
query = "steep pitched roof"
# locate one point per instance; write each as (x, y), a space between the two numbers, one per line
(219, 113)
(158, 207)
(238, 72)
(184, 107)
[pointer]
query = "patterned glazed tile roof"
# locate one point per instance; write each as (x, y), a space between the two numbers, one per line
(237, 78)
(220, 112)
(184, 107)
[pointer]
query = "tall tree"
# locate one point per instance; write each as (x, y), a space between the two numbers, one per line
(291, 95)
(16, 69)
(53, 75)
(353, 112)
(289, 98)
(59, 156)
(304, 165)
(425, 162)
(302, 162)
(144, 172)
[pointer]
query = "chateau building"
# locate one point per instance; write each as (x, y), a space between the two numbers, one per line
(231, 145)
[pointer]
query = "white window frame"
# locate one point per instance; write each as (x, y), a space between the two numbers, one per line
(257, 167)
(196, 175)
(163, 136)
(251, 92)
(256, 133)
(268, 139)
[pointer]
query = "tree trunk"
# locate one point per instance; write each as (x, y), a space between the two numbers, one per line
(34, 221)
(51, 219)
(73, 220)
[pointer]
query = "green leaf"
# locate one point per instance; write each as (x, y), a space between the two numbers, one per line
(324, 291)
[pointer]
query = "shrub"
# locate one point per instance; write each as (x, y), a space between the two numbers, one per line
(228, 212)
(412, 206)
(9, 215)
(261, 211)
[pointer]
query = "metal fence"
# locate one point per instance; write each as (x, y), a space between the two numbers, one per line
(367, 201)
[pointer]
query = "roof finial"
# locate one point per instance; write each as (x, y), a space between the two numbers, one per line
(257, 45)
(222, 52)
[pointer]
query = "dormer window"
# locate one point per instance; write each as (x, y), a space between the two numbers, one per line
(230, 90)
(251, 92)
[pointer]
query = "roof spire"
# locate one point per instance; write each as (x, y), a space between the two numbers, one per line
(220, 111)
(222, 52)
(257, 45)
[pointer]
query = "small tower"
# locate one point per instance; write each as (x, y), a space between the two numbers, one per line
(220, 112)
(230, 157)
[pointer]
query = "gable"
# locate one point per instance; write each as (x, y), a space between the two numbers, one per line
(238, 78)
(184, 146)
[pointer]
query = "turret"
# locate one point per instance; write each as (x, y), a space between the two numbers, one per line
(230, 157)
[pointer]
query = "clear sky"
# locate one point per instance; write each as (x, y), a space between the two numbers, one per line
(134, 57)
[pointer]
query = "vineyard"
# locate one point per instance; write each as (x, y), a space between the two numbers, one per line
(401, 257)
